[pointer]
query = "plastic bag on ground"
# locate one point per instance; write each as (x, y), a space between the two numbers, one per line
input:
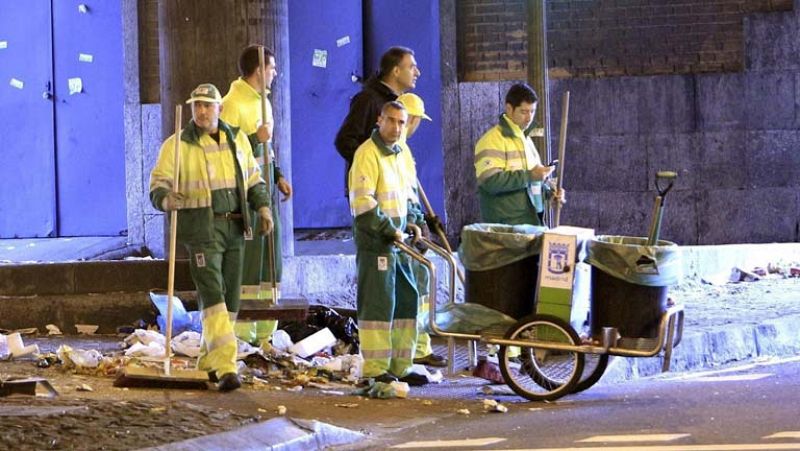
(490, 246)
(630, 259)
(79, 357)
(152, 349)
(187, 343)
(181, 320)
(343, 327)
(281, 340)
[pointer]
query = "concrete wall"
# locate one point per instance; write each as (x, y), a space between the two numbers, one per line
(732, 137)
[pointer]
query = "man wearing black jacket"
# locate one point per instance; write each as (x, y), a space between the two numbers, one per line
(398, 74)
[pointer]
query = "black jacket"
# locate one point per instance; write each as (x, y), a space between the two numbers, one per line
(365, 108)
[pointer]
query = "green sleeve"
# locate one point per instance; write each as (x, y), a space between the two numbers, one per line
(506, 182)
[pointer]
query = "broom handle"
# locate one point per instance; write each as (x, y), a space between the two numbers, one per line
(173, 238)
(562, 145)
(424, 198)
(270, 243)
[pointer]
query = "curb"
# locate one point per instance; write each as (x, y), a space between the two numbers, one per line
(703, 350)
(280, 433)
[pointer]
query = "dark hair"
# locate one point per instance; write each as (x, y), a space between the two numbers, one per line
(391, 59)
(393, 104)
(248, 60)
(519, 93)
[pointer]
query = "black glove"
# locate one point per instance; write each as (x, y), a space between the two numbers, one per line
(434, 223)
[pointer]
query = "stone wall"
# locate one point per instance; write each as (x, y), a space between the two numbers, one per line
(733, 137)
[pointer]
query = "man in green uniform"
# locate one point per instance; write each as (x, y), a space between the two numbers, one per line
(387, 296)
(242, 108)
(218, 180)
(509, 171)
(423, 354)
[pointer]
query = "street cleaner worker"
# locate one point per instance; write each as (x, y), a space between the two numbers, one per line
(241, 107)
(508, 168)
(386, 296)
(218, 178)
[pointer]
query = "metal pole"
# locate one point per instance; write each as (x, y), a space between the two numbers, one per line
(537, 72)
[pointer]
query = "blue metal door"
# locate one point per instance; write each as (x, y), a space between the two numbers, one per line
(326, 48)
(414, 24)
(90, 151)
(27, 174)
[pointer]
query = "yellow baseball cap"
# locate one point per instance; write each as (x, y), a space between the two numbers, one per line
(205, 92)
(414, 105)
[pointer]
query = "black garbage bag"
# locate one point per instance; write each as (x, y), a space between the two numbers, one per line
(344, 328)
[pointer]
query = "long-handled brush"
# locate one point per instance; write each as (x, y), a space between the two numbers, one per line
(169, 377)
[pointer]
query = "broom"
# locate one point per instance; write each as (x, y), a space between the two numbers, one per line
(145, 376)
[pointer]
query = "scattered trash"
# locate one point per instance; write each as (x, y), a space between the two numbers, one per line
(84, 387)
(78, 357)
(427, 402)
(463, 411)
(27, 331)
(314, 343)
(181, 319)
(187, 343)
(16, 347)
(759, 271)
(4, 352)
(490, 405)
(296, 388)
(794, 271)
(152, 349)
(27, 386)
(433, 378)
(346, 405)
(46, 360)
(382, 390)
(281, 410)
(262, 410)
(489, 371)
(343, 328)
(87, 329)
(281, 340)
(52, 329)
(145, 337)
(333, 392)
(486, 390)
(534, 409)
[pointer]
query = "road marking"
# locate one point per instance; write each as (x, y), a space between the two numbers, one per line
(452, 443)
(627, 438)
(784, 434)
(725, 447)
(731, 378)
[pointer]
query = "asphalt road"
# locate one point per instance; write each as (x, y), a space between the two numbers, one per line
(745, 407)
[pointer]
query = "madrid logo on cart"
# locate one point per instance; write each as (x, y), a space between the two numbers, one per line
(557, 258)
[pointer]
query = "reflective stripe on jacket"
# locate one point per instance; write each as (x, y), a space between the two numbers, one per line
(378, 194)
(207, 168)
(504, 157)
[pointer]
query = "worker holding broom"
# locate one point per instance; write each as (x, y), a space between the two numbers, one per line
(219, 183)
(243, 107)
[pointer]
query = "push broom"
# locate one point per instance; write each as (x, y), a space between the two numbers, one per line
(167, 377)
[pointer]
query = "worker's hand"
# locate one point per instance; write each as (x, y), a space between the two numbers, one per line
(172, 201)
(398, 235)
(560, 196)
(285, 188)
(541, 172)
(265, 223)
(416, 232)
(434, 223)
(263, 134)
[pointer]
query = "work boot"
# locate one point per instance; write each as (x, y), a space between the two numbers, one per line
(229, 382)
(212, 377)
(414, 379)
(432, 360)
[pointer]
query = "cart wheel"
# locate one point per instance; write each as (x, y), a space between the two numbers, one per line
(541, 374)
(593, 368)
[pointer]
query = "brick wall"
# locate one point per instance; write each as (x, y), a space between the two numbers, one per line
(597, 38)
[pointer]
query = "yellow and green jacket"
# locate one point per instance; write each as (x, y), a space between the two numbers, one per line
(504, 157)
(379, 194)
(241, 107)
(209, 178)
